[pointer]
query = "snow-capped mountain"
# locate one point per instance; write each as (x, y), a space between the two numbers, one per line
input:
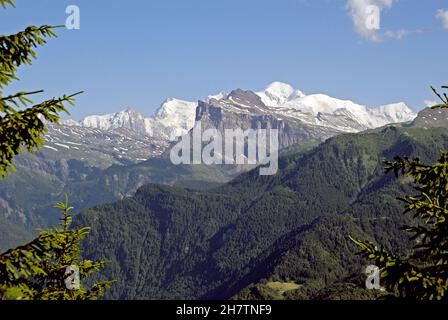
(394, 113)
(321, 106)
(320, 110)
(173, 119)
(278, 93)
(108, 157)
(219, 96)
(287, 100)
(298, 117)
(128, 119)
(176, 117)
(98, 147)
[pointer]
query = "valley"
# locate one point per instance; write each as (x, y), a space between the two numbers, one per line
(106, 158)
(290, 227)
(216, 231)
(185, 153)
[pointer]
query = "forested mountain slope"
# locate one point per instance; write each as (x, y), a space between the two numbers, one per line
(177, 243)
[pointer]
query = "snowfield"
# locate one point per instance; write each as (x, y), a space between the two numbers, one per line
(176, 117)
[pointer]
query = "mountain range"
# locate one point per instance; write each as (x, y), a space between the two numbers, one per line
(128, 137)
(176, 117)
(256, 233)
(101, 159)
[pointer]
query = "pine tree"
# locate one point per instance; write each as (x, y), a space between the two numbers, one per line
(49, 267)
(422, 275)
(23, 127)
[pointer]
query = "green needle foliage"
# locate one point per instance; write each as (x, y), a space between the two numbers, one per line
(3, 3)
(423, 274)
(38, 270)
(42, 269)
(23, 127)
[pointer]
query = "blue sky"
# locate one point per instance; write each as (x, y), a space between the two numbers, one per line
(138, 53)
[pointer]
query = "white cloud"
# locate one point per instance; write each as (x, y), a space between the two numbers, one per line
(442, 15)
(429, 103)
(359, 11)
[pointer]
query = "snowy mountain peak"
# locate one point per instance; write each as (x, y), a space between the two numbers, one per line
(396, 112)
(321, 103)
(278, 93)
(174, 104)
(128, 118)
(177, 112)
(280, 88)
(219, 96)
(175, 117)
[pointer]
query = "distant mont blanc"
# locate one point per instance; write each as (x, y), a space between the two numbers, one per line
(318, 112)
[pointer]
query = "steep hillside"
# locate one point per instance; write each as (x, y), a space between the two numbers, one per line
(27, 196)
(177, 243)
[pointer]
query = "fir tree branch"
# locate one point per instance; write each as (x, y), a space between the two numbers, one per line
(18, 49)
(3, 3)
(25, 128)
(20, 94)
(22, 100)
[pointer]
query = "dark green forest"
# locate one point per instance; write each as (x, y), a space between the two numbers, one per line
(170, 242)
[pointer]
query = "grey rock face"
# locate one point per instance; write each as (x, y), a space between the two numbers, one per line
(431, 118)
(245, 110)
